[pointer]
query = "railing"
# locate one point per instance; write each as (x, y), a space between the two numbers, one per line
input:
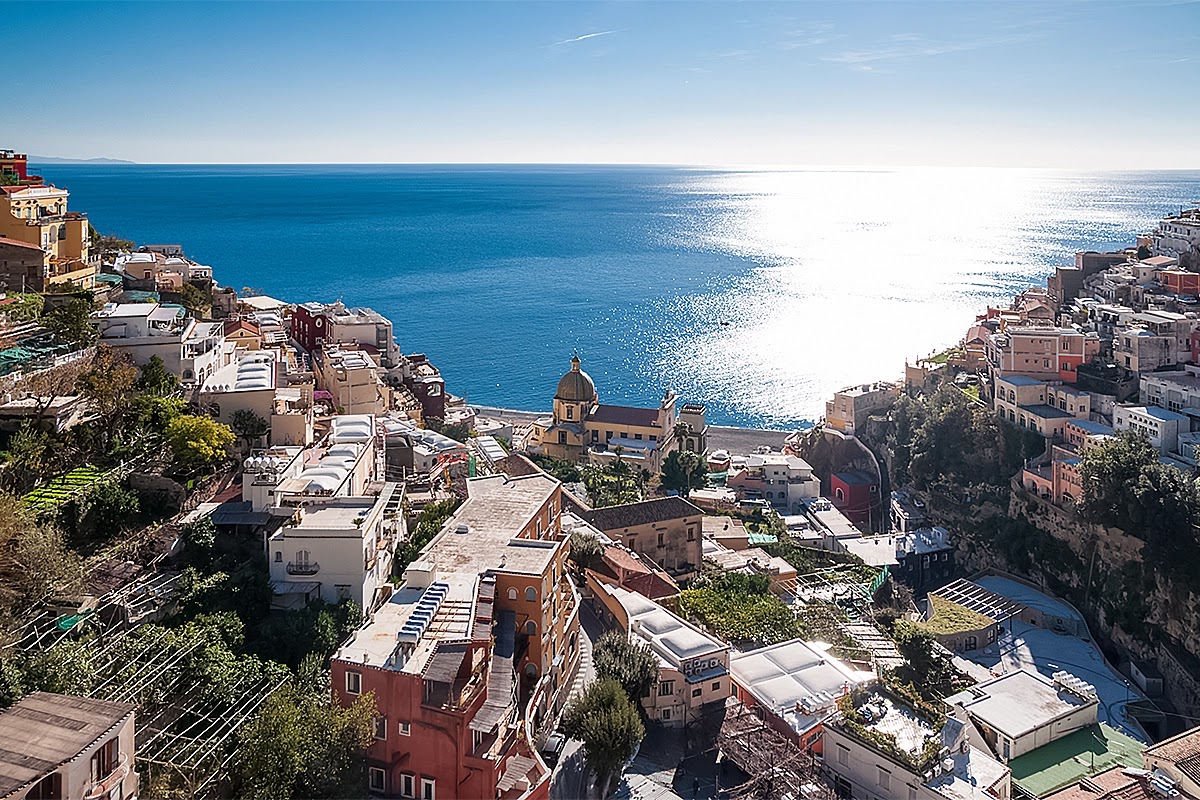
(110, 781)
(306, 568)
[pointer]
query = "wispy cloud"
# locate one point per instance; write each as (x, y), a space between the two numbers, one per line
(812, 34)
(584, 36)
(915, 48)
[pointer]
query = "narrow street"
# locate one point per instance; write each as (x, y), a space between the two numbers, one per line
(569, 780)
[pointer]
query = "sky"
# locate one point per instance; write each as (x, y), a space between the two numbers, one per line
(971, 83)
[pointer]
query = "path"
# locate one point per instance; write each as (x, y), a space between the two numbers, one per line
(569, 780)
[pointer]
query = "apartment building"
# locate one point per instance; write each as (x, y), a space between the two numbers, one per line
(850, 407)
(795, 686)
(257, 382)
(1174, 390)
(693, 667)
(478, 645)
(1177, 234)
(1151, 340)
(313, 324)
(56, 747)
(666, 530)
(36, 214)
(1046, 354)
(1034, 404)
(351, 377)
(1160, 426)
(192, 350)
(785, 481)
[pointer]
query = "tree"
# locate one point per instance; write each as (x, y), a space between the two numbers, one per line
(34, 558)
(586, 550)
(301, 746)
(28, 456)
(111, 507)
(197, 443)
(630, 664)
(156, 380)
(458, 431)
(194, 297)
(72, 322)
(683, 471)
(608, 724)
(249, 426)
(1143, 252)
(200, 538)
(108, 384)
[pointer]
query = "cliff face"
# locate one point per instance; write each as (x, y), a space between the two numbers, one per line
(828, 452)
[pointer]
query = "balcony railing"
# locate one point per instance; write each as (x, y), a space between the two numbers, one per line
(102, 787)
(304, 568)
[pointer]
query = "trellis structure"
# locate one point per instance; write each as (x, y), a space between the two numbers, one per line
(777, 767)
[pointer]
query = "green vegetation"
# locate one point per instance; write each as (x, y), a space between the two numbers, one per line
(631, 664)
(740, 609)
(586, 551)
(945, 356)
(197, 443)
(248, 426)
(156, 380)
(683, 471)
(63, 488)
(856, 724)
(950, 617)
(927, 675)
(71, 321)
(608, 724)
(945, 439)
(27, 307)
(430, 521)
(34, 558)
(302, 746)
(615, 483)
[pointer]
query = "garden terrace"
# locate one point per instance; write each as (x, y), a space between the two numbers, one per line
(63, 488)
(949, 617)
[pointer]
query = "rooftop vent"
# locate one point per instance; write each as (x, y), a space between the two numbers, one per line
(462, 527)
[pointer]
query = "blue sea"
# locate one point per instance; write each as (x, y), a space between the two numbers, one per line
(756, 292)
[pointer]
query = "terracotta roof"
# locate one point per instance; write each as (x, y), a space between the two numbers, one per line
(1183, 750)
(652, 585)
(659, 509)
(44, 731)
(232, 325)
(621, 558)
(625, 415)
(15, 243)
(516, 465)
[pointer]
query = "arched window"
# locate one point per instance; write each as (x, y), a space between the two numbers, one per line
(302, 556)
(531, 628)
(531, 594)
(512, 593)
(841, 496)
(770, 495)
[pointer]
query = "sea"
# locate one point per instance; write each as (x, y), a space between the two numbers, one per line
(757, 292)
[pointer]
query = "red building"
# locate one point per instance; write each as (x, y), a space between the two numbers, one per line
(15, 167)
(856, 495)
(472, 652)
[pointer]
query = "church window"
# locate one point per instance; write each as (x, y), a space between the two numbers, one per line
(595, 436)
(562, 437)
(637, 436)
(653, 438)
(570, 412)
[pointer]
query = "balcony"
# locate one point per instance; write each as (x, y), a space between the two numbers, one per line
(102, 787)
(303, 568)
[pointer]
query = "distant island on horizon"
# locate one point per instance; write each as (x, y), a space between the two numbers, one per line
(58, 160)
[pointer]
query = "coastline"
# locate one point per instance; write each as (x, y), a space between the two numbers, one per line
(740, 441)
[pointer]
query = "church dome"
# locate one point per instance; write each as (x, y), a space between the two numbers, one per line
(576, 385)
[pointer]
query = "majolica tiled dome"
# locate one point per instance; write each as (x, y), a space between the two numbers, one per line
(576, 385)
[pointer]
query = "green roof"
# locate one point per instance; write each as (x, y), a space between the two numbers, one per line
(1085, 752)
(138, 296)
(755, 539)
(950, 618)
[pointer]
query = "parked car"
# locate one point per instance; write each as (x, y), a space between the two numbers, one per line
(553, 748)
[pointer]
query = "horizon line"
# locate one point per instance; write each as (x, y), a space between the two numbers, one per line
(758, 167)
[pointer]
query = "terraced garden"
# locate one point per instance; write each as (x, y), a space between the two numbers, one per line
(63, 488)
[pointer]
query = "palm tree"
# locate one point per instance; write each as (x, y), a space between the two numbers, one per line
(681, 431)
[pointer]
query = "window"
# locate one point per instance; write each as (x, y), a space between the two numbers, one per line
(716, 686)
(595, 436)
(562, 439)
(353, 683)
(885, 778)
(696, 692)
(406, 784)
(512, 593)
(531, 594)
(378, 780)
(666, 714)
(48, 788)
(607, 435)
(653, 438)
(570, 412)
(691, 533)
(381, 728)
(666, 688)
(531, 628)
(637, 436)
(427, 786)
(278, 556)
(843, 755)
(661, 542)
(405, 728)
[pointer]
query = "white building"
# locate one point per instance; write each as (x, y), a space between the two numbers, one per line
(1176, 235)
(795, 682)
(693, 666)
(344, 545)
(190, 349)
(1160, 426)
(1023, 710)
(257, 382)
(783, 480)
(1174, 391)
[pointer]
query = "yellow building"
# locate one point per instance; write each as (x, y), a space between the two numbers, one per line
(581, 428)
(37, 215)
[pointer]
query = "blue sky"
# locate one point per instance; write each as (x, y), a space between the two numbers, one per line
(1078, 84)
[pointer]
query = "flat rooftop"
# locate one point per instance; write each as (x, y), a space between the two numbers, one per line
(338, 515)
(1078, 755)
(673, 640)
(1018, 702)
(377, 644)
(496, 510)
(793, 677)
(1154, 412)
